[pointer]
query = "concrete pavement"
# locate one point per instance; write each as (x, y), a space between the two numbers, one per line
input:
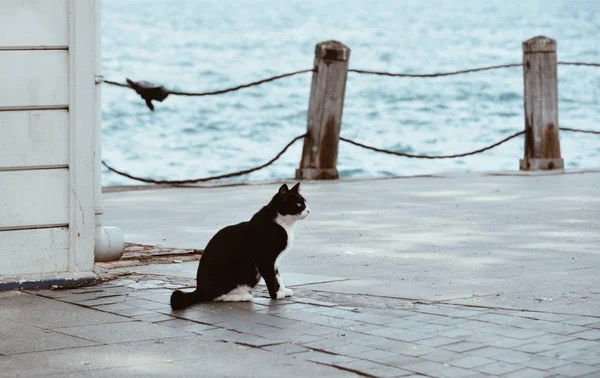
(516, 241)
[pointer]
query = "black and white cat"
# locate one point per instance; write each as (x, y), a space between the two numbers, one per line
(238, 256)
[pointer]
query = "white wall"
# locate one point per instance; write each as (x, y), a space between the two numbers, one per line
(48, 118)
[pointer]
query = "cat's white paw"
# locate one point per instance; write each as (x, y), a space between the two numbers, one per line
(282, 293)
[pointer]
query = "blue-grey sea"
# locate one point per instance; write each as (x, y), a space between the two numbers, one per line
(203, 45)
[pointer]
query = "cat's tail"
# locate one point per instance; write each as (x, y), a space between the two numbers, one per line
(180, 300)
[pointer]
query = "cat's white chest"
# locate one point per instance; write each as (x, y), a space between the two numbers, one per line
(287, 222)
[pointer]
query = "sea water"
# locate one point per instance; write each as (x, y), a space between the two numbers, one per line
(206, 45)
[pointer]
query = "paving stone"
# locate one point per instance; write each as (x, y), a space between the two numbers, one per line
(507, 342)
(149, 305)
(324, 344)
(374, 369)
(363, 327)
(201, 316)
(514, 357)
(543, 316)
(462, 346)
(499, 368)
(278, 306)
(160, 297)
(330, 321)
(456, 333)
(275, 321)
(557, 328)
(513, 332)
(436, 309)
(578, 344)
(152, 317)
(464, 313)
(562, 352)
(411, 349)
(470, 362)
(544, 363)
(122, 332)
(393, 312)
(314, 302)
(94, 301)
(437, 341)
(314, 330)
(375, 355)
(481, 338)
(576, 370)
(420, 317)
(587, 358)
(22, 338)
(438, 369)
(551, 339)
(592, 334)
(128, 312)
(198, 328)
(442, 356)
(399, 360)
(239, 338)
(406, 323)
(534, 347)
(373, 319)
(435, 329)
(297, 315)
(49, 293)
(324, 358)
(498, 319)
(177, 323)
(391, 345)
(581, 320)
(355, 337)
(489, 351)
(25, 308)
(447, 320)
(348, 349)
(251, 328)
(400, 334)
(527, 373)
(471, 324)
(286, 348)
(298, 336)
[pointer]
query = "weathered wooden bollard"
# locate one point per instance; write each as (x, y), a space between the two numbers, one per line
(542, 146)
(320, 153)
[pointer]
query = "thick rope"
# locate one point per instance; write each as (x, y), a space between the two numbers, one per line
(380, 73)
(221, 91)
(579, 64)
(368, 72)
(204, 179)
(383, 73)
(580, 130)
(432, 156)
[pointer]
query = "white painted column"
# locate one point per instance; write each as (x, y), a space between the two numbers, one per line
(110, 241)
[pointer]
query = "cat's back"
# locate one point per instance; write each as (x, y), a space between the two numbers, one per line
(228, 237)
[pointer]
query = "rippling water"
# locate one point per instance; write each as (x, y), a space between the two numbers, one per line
(207, 45)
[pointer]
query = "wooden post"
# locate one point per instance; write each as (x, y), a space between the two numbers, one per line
(542, 146)
(320, 153)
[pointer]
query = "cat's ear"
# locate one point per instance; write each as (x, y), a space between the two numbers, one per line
(296, 188)
(284, 189)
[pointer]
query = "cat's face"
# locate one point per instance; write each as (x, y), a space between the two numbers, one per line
(290, 202)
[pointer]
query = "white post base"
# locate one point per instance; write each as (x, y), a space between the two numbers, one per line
(110, 243)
